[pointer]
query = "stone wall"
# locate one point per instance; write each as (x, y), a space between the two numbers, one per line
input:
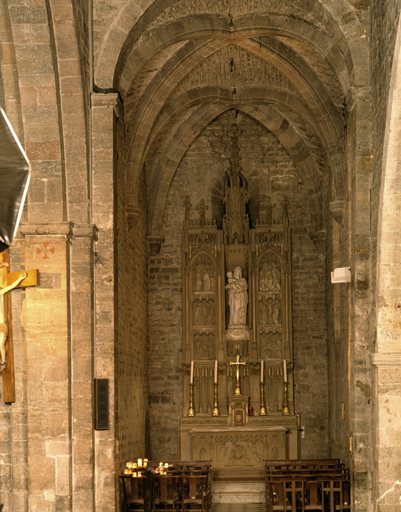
(267, 168)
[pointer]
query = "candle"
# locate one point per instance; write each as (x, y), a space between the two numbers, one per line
(145, 463)
(215, 372)
(191, 379)
(261, 371)
(160, 464)
(134, 474)
(134, 465)
(139, 463)
(166, 465)
(285, 370)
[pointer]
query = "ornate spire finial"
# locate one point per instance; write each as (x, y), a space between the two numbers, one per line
(187, 204)
(269, 210)
(202, 210)
(235, 221)
(285, 211)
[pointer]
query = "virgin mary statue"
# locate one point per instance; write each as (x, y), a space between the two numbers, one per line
(237, 298)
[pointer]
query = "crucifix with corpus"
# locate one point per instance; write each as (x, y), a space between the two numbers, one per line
(9, 282)
(238, 364)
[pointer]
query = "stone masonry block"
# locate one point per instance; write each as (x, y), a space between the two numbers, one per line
(41, 474)
(63, 475)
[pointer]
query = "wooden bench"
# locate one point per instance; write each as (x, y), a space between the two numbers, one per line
(307, 485)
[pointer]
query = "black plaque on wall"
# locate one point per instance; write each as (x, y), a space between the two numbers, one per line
(102, 404)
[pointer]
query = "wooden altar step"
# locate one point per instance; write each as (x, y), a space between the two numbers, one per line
(238, 486)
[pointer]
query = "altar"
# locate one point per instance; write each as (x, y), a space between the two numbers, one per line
(235, 447)
(238, 362)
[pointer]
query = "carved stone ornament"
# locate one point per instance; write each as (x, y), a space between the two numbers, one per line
(238, 418)
(154, 244)
(242, 449)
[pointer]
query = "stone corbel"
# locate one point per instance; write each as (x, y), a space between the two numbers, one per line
(119, 108)
(337, 208)
(132, 213)
(154, 244)
(101, 99)
(319, 240)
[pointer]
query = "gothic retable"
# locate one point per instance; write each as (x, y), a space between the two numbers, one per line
(237, 303)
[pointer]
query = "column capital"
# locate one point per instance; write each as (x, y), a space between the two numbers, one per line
(101, 99)
(85, 231)
(356, 94)
(45, 228)
(67, 229)
(154, 244)
(337, 208)
(386, 360)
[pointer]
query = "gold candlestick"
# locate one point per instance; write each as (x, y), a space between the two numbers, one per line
(216, 410)
(262, 411)
(286, 410)
(191, 410)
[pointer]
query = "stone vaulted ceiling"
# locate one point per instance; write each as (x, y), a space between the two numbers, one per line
(289, 65)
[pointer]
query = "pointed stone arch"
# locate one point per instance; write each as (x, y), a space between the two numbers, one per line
(186, 133)
(120, 32)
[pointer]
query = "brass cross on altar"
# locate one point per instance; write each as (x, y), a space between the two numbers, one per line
(8, 282)
(238, 364)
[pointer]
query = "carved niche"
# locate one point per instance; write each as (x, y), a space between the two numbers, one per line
(270, 305)
(203, 282)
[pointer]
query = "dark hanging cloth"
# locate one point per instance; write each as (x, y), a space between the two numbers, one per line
(14, 181)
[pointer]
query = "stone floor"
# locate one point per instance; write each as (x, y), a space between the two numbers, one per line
(238, 507)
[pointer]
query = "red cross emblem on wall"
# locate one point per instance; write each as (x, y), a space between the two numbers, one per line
(44, 250)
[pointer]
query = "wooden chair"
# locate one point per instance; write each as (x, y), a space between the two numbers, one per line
(285, 493)
(313, 496)
(194, 490)
(275, 497)
(134, 494)
(165, 491)
(335, 493)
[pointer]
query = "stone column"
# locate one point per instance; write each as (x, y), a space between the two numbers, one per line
(45, 473)
(388, 437)
(82, 366)
(360, 169)
(103, 217)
